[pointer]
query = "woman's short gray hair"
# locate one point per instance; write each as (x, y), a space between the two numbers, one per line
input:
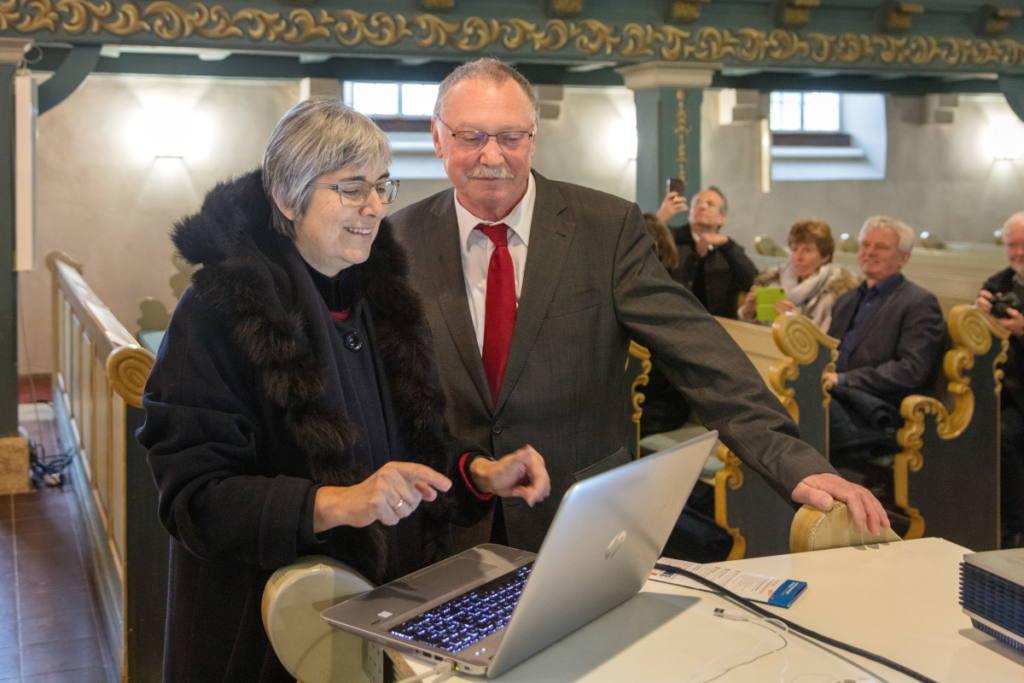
(904, 232)
(315, 137)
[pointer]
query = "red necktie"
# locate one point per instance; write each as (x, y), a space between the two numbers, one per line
(500, 307)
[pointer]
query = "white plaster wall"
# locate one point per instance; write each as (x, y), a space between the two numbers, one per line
(940, 178)
(111, 207)
(593, 141)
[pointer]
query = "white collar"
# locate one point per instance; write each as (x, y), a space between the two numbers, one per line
(518, 219)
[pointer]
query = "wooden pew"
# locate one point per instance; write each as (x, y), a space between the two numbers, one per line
(945, 479)
(790, 356)
(98, 379)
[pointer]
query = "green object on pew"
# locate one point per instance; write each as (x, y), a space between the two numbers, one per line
(766, 298)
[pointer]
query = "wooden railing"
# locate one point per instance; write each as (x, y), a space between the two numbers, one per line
(98, 378)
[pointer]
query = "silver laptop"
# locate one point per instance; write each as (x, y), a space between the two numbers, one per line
(491, 607)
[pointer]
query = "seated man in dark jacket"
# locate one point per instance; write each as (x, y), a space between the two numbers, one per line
(711, 265)
(891, 336)
(1003, 296)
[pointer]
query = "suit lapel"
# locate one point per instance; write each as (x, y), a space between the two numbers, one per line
(551, 233)
(842, 318)
(870, 325)
(450, 285)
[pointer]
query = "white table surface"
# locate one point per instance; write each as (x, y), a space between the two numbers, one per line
(898, 600)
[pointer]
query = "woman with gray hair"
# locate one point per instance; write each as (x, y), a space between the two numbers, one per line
(293, 408)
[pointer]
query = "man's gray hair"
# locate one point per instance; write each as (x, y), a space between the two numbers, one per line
(1015, 219)
(491, 69)
(904, 232)
(315, 137)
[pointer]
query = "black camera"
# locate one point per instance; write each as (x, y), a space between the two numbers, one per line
(1002, 302)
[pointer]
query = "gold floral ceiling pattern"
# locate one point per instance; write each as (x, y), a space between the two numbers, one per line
(168, 21)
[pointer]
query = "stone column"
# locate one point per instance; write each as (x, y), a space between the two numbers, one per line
(668, 99)
(13, 447)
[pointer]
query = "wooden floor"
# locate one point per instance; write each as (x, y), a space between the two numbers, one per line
(48, 622)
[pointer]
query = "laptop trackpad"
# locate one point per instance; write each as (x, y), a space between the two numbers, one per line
(439, 581)
(456, 573)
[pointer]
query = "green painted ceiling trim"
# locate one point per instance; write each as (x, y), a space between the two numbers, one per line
(342, 68)
(1013, 89)
(319, 29)
(291, 67)
(76, 65)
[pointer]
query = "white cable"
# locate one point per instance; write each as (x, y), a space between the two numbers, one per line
(443, 671)
(719, 612)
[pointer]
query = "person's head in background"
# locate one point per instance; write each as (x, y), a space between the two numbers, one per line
(1013, 239)
(884, 247)
(708, 210)
(810, 247)
(664, 243)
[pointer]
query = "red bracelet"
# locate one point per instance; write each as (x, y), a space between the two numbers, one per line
(463, 464)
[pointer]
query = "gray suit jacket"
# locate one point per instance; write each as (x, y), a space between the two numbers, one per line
(900, 348)
(592, 282)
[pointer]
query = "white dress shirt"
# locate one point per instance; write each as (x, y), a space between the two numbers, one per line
(477, 249)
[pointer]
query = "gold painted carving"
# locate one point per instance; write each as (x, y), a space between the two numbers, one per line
(170, 22)
(437, 5)
(995, 21)
(565, 8)
(684, 11)
(972, 332)
(681, 130)
(800, 341)
(794, 13)
(898, 15)
(729, 478)
(642, 379)
(127, 370)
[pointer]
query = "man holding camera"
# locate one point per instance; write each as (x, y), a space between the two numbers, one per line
(711, 265)
(1002, 295)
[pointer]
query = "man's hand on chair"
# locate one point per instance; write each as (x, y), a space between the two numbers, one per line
(821, 490)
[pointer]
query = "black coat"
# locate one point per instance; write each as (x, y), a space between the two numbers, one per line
(719, 278)
(245, 419)
(1013, 370)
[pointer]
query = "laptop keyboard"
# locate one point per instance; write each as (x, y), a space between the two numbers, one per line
(469, 618)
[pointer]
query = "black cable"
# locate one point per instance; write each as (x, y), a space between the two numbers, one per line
(793, 626)
(46, 471)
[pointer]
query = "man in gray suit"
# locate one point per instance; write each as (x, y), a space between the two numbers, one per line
(533, 289)
(891, 336)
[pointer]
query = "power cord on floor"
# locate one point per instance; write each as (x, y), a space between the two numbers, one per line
(44, 470)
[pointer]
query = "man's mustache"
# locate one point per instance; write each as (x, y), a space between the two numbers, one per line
(491, 173)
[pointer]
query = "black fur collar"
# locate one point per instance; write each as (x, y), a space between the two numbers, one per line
(250, 275)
